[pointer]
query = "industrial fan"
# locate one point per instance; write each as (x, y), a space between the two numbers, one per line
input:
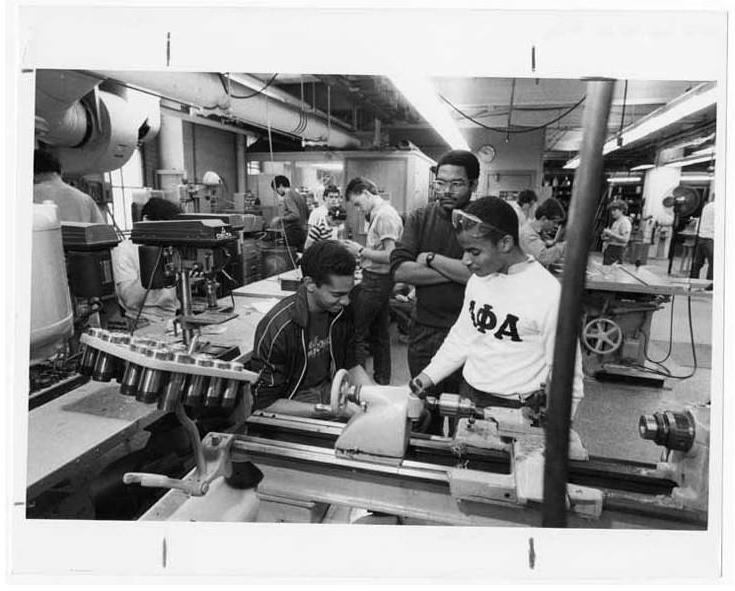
(685, 201)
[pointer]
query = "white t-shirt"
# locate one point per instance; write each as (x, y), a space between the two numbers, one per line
(385, 222)
(73, 204)
(707, 221)
(318, 217)
(504, 336)
(160, 304)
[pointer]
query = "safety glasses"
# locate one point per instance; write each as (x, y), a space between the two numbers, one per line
(466, 222)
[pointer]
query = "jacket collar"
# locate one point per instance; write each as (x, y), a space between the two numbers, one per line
(300, 312)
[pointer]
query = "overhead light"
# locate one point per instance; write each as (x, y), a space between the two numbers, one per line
(689, 160)
(642, 167)
(334, 165)
(699, 98)
(420, 92)
(696, 178)
(624, 180)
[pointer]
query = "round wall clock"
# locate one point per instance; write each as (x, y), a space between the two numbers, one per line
(486, 154)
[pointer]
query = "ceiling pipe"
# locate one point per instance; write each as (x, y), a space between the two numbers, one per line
(256, 84)
(206, 90)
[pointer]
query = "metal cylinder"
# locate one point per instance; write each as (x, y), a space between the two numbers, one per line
(214, 392)
(232, 387)
(149, 386)
(87, 362)
(172, 393)
(585, 197)
(672, 430)
(195, 390)
(104, 367)
(152, 380)
(216, 388)
(198, 383)
(119, 366)
(130, 379)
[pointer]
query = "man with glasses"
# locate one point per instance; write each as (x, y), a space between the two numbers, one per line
(539, 237)
(428, 256)
(503, 340)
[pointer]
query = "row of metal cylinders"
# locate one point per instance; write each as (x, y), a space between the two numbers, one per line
(149, 385)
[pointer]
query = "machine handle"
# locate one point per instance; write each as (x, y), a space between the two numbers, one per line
(194, 488)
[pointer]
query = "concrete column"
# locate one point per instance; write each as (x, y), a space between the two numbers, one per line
(659, 182)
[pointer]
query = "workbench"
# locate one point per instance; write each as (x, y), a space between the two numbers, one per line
(625, 278)
(71, 434)
(94, 424)
(270, 287)
(619, 304)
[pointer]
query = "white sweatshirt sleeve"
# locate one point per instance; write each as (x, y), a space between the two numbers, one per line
(549, 341)
(453, 353)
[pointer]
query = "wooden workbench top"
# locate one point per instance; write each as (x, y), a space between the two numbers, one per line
(270, 287)
(71, 431)
(626, 278)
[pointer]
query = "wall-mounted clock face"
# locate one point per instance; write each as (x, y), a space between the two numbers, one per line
(486, 154)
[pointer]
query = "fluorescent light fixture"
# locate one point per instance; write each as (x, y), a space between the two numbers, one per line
(641, 167)
(419, 91)
(696, 178)
(689, 160)
(697, 99)
(333, 165)
(624, 180)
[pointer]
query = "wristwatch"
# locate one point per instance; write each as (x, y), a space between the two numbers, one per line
(430, 258)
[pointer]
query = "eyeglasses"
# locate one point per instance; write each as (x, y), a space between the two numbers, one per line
(453, 186)
(466, 222)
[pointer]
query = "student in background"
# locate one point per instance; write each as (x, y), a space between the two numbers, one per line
(524, 206)
(428, 256)
(705, 249)
(616, 237)
(328, 229)
(534, 233)
(294, 213)
(154, 305)
(371, 301)
(319, 223)
(74, 206)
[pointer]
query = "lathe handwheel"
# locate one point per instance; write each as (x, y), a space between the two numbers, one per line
(602, 335)
(338, 395)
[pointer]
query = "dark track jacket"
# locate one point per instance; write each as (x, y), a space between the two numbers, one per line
(279, 350)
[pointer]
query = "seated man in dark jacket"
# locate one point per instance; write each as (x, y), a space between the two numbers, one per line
(308, 336)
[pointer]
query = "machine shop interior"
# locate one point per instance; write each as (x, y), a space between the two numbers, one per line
(113, 433)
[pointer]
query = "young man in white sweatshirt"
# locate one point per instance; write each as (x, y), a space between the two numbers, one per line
(504, 336)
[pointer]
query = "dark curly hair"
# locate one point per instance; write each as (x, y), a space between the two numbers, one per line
(157, 208)
(326, 258)
(463, 158)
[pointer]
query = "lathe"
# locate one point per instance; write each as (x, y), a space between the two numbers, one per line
(488, 473)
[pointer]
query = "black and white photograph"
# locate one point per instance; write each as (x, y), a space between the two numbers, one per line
(308, 294)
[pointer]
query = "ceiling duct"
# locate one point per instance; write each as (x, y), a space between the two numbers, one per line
(207, 90)
(94, 128)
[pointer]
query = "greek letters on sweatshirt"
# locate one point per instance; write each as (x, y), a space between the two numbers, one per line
(505, 332)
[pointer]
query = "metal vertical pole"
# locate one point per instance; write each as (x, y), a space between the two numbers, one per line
(585, 197)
